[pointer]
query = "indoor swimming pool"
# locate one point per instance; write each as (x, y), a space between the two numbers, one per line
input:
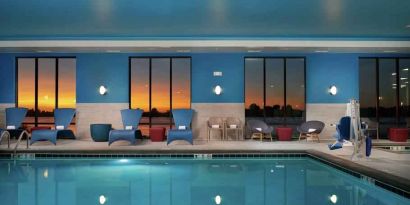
(166, 181)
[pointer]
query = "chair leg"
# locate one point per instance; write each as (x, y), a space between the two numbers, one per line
(300, 135)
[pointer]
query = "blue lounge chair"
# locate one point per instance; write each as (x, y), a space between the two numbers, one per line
(62, 119)
(182, 131)
(130, 120)
(14, 121)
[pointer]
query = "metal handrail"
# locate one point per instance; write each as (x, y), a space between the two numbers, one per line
(19, 140)
(5, 133)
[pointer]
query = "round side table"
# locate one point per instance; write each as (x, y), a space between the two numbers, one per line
(100, 132)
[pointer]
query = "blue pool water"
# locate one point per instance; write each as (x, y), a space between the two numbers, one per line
(181, 182)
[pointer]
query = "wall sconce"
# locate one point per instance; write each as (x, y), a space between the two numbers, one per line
(333, 90)
(218, 90)
(103, 90)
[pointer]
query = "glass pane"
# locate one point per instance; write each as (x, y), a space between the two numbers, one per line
(140, 86)
(66, 83)
(275, 97)
(160, 91)
(46, 89)
(181, 83)
(295, 90)
(26, 81)
(387, 94)
(254, 87)
(367, 90)
(404, 66)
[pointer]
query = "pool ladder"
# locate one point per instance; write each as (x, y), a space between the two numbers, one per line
(3, 134)
(19, 140)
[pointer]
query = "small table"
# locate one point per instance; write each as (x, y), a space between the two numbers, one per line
(100, 132)
(397, 134)
(157, 134)
(284, 133)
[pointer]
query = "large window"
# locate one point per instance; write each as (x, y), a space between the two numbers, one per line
(384, 92)
(275, 90)
(44, 84)
(158, 85)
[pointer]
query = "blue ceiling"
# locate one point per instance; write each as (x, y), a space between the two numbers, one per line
(204, 19)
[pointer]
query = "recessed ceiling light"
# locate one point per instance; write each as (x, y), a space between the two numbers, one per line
(254, 51)
(112, 51)
(184, 51)
(389, 51)
(321, 51)
(43, 51)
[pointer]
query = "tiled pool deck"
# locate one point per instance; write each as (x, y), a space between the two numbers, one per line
(383, 165)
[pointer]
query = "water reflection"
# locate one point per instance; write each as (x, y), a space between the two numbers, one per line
(180, 182)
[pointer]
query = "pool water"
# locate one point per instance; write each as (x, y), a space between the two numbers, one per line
(299, 181)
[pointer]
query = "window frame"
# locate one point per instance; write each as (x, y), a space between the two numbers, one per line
(150, 124)
(397, 79)
(284, 58)
(56, 78)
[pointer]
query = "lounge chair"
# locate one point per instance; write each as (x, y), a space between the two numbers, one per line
(310, 129)
(62, 119)
(259, 129)
(14, 121)
(182, 119)
(130, 120)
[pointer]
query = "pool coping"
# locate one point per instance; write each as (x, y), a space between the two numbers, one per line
(387, 181)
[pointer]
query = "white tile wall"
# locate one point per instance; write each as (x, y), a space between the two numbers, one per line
(327, 113)
(203, 111)
(3, 114)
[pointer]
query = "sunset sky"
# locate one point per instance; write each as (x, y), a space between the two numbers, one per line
(46, 83)
(160, 86)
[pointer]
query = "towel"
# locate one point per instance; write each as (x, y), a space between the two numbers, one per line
(128, 127)
(182, 127)
(60, 127)
(11, 127)
(233, 126)
(215, 126)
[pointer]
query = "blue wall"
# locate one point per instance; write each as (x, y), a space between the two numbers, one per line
(94, 70)
(111, 70)
(203, 81)
(324, 70)
(7, 76)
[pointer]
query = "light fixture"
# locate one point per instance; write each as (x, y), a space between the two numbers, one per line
(333, 90)
(218, 199)
(43, 51)
(102, 199)
(183, 51)
(113, 51)
(45, 173)
(103, 90)
(333, 199)
(218, 90)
